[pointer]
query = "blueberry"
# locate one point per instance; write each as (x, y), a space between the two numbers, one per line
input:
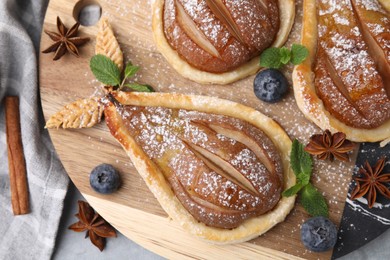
(104, 179)
(318, 234)
(270, 85)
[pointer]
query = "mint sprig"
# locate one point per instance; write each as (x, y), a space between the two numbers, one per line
(285, 55)
(293, 190)
(302, 164)
(138, 87)
(298, 54)
(313, 201)
(276, 57)
(271, 58)
(108, 73)
(105, 70)
(130, 70)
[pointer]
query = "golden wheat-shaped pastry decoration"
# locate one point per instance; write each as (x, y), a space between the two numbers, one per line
(79, 114)
(107, 44)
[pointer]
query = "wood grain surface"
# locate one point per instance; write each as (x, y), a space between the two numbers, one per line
(133, 210)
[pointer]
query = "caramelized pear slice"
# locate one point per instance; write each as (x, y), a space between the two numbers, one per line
(374, 23)
(222, 13)
(246, 140)
(191, 29)
(225, 169)
(218, 36)
(350, 87)
(333, 94)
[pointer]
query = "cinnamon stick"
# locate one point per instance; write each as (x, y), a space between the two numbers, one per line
(16, 161)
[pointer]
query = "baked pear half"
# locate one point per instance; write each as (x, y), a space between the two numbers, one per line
(344, 84)
(217, 168)
(219, 41)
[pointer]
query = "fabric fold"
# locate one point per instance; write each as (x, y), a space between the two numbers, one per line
(30, 236)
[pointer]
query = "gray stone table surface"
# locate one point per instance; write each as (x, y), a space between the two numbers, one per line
(73, 245)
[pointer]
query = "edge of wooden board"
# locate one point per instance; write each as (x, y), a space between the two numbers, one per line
(163, 241)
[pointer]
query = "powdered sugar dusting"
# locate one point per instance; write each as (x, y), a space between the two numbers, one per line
(139, 47)
(167, 136)
(341, 20)
(211, 27)
(257, 28)
(371, 5)
(350, 56)
(378, 24)
(353, 91)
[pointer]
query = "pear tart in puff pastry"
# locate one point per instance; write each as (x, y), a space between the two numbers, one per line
(217, 167)
(219, 41)
(344, 85)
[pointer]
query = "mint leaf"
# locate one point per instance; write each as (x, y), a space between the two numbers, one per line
(105, 70)
(139, 87)
(276, 57)
(300, 160)
(301, 163)
(313, 201)
(298, 53)
(285, 55)
(292, 190)
(294, 158)
(303, 178)
(271, 58)
(130, 70)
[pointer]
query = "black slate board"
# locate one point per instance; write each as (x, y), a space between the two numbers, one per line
(360, 224)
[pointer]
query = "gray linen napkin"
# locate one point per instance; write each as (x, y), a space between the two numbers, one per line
(30, 236)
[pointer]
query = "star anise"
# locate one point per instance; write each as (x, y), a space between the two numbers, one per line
(65, 40)
(97, 228)
(327, 146)
(371, 180)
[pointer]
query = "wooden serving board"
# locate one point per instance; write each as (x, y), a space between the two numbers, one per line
(133, 210)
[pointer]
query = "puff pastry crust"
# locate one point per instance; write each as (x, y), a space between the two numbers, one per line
(304, 89)
(157, 183)
(287, 15)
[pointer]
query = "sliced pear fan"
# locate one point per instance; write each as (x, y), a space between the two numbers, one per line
(211, 45)
(216, 167)
(344, 83)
